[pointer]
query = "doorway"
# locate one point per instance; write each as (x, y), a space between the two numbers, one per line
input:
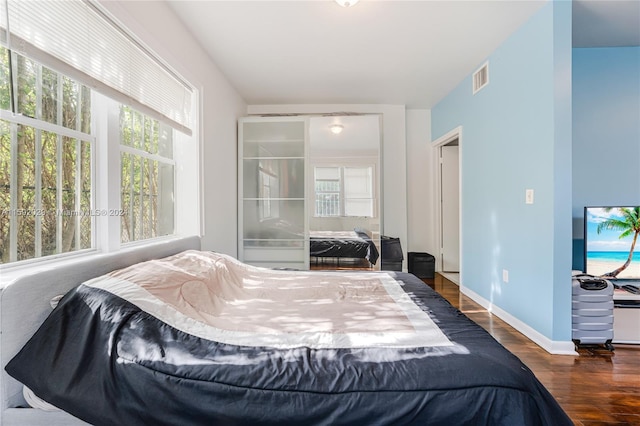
(448, 172)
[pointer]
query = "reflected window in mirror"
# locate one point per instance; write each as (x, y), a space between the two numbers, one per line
(267, 189)
(344, 191)
(327, 188)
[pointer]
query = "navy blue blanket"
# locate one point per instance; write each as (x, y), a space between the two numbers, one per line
(361, 247)
(108, 362)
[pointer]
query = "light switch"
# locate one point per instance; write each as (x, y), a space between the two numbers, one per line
(528, 196)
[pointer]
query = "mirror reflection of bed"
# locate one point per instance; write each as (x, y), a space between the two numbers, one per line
(343, 178)
(343, 250)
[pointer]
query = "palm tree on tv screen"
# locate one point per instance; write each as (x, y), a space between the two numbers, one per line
(629, 225)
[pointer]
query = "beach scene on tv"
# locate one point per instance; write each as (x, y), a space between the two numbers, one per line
(612, 235)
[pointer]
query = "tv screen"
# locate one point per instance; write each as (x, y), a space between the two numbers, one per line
(612, 241)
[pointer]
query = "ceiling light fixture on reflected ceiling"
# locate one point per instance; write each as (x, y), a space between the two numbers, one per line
(336, 128)
(346, 3)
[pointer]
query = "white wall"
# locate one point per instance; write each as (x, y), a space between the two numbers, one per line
(155, 24)
(394, 157)
(420, 183)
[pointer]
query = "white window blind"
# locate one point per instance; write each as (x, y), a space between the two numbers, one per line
(327, 173)
(358, 191)
(3, 22)
(79, 39)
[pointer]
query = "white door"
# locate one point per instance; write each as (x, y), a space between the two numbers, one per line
(450, 208)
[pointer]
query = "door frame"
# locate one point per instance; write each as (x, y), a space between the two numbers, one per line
(436, 145)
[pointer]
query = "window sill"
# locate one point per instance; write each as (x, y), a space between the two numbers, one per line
(11, 272)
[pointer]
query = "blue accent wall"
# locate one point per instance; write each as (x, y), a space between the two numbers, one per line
(606, 132)
(516, 135)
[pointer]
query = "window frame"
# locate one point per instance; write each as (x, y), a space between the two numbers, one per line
(141, 154)
(188, 196)
(339, 192)
(342, 197)
(40, 125)
(105, 146)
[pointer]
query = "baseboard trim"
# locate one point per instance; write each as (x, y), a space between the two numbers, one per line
(554, 347)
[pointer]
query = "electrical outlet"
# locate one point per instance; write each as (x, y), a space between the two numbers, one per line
(528, 196)
(505, 276)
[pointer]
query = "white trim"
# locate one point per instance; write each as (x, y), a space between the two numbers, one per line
(554, 347)
(240, 189)
(145, 154)
(199, 138)
(13, 193)
(43, 125)
(12, 271)
(437, 144)
(105, 123)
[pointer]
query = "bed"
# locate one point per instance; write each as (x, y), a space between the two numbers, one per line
(25, 304)
(200, 338)
(356, 244)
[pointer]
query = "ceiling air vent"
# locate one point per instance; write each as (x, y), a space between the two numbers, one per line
(481, 77)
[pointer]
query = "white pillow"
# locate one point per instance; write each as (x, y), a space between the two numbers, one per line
(36, 402)
(55, 300)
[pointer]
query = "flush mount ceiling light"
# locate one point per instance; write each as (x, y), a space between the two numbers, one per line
(336, 128)
(346, 3)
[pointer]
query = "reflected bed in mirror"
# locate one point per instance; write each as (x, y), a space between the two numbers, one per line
(343, 181)
(356, 244)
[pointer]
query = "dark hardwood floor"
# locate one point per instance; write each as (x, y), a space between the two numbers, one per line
(596, 387)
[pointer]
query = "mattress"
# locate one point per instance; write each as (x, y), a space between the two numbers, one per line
(343, 244)
(200, 338)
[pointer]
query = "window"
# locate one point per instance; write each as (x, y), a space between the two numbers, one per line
(344, 191)
(45, 162)
(89, 169)
(268, 190)
(327, 184)
(48, 153)
(147, 177)
(358, 191)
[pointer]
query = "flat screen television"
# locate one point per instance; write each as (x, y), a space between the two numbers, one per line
(612, 241)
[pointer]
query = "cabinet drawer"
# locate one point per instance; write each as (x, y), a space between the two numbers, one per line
(626, 325)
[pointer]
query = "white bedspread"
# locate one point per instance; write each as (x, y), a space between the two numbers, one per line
(219, 298)
(334, 235)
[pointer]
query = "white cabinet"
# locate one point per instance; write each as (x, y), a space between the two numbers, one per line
(626, 317)
(272, 159)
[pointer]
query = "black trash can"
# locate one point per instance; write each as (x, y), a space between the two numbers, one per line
(422, 265)
(391, 255)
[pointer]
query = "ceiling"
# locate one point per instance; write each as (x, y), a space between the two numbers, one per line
(360, 136)
(377, 52)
